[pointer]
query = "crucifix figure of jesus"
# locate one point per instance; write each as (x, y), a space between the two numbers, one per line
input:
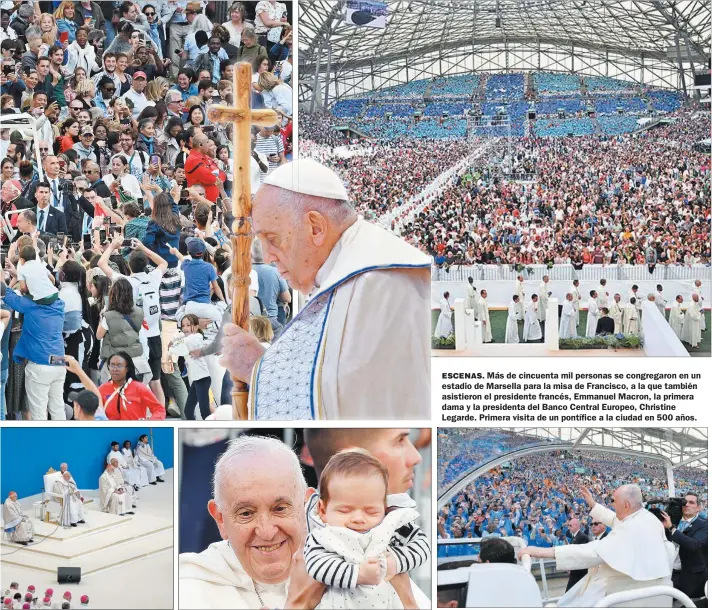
(242, 117)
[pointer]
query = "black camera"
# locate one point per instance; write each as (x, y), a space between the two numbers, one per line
(673, 507)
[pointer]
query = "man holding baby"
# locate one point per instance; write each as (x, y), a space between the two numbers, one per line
(260, 504)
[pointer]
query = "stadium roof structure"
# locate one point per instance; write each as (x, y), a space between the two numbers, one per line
(655, 42)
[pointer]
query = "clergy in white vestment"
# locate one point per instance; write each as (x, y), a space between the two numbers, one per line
(543, 299)
(519, 291)
(132, 462)
(602, 294)
(15, 521)
(635, 294)
(511, 334)
(361, 282)
(145, 457)
(131, 475)
(472, 298)
(631, 318)
(121, 482)
(532, 325)
(569, 315)
(593, 314)
(256, 567)
(634, 555)
(616, 312)
(112, 498)
(72, 508)
(576, 300)
(692, 323)
(660, 301)
(444, 325)
(484, 317)
(698, 291)
(677, 316)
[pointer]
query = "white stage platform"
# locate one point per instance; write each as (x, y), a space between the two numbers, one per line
(126, 562)
(534, 350)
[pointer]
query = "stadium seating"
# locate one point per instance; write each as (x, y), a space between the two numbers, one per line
(413, 89)
(452, 108)
(461, 85)
(508, 87)
(552, 106)
(348, 108)
(564, 127)
(556, 84)
(395, 109)
(609, 105)
(598, 84)
(613, 125)
(665, 101)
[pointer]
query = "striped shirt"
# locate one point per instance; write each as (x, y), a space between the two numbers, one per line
(270, 145)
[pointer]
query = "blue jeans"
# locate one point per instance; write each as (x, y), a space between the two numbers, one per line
(3, 385)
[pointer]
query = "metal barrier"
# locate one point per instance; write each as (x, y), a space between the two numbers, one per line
(587, 273)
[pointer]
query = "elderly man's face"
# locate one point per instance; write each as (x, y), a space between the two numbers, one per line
(261, 514)
(66, 476)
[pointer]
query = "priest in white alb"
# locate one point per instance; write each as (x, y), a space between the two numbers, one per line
(532, 325)
(368, 306)
(692, 323)
(634, 555)
(471, 300)
(631, 318)
(146, 459)
(576, 300)
(484, 317)
(543, 298)
(121, 482)
(593, 314)
(519, 291)
(660, 301)
(569, 316)
(511, 334)
(444, 329)
(602, 294)
(698, 291)
(15, 522)
(616, 312)
(131, 475)
(132, 462)
(70, 499)
(677, 316)
(112, 498)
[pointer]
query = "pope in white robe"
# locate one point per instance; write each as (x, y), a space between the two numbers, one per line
(145, 457)
(72, 507)
(112, 498)
(569, 317)
(519, 291)
(511, 334)
(443, 328)
(634, 555)
(362, 282)
(131, 475)
(692, 323)
(532, 325)
(616, 313)
(543, 299)
(484, 317)
(132, 462)
(121, 482)
(593, 315)
(677, 317)
(698, 291)
(631, 319)
(14, 519)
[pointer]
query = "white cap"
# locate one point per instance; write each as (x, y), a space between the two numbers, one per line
(308, 177)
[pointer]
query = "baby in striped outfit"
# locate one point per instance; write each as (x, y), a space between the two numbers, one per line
(363, 537)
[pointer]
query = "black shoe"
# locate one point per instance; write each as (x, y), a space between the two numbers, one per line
(130, 513)
(23, 543)
(73, 524)
(82, 521)
(154, 483)
(160, 480)
(135, 487)
(133, 506)
(32, 539)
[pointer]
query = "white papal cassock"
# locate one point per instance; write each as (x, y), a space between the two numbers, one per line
(131, 475)
(130, 491)
(692, 324)
(483, 316)
(677, 317)
(592, 317)
(532, 326)
(72, 510)
(443, 328)
(145, 458)
(370, 308)
(543, 301)
(634, 555)
(111, 500)
(569, 318)
(12, 516)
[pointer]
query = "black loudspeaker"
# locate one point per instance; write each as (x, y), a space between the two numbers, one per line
(69, 575)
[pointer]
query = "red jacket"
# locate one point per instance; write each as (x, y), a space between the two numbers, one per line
(131, 403)
(199, 169)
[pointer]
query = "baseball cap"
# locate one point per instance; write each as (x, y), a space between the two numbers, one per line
(88, 401)
(140, 74)
(87, 129)
(195, 245)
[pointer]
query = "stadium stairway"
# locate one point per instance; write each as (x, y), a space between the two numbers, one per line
(480, 94)
(582, 86)
(530, 92)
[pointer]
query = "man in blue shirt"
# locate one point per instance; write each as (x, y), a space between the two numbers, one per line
(41, 338)
(272, 287)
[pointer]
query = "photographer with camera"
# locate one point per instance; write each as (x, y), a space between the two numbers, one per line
(689, 573)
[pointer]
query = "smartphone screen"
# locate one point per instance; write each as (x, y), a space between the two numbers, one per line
(127, 243)
(58, 360)
(184, 194)
(107, 220)
(155, 159)
(102, 235)
(87, 242)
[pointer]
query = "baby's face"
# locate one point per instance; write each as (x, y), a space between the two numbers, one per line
(355, 502)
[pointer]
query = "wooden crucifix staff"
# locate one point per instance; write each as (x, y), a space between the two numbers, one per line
(242, 118)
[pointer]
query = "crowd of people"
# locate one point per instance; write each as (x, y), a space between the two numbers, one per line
(116, 212)
(33, 599)
(538, 497)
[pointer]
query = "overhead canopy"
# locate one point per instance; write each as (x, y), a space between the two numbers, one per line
(647, 41)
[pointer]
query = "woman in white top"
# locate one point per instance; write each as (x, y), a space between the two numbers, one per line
(126, 184)
(236, 24)
(268, 14)
(275, 93)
